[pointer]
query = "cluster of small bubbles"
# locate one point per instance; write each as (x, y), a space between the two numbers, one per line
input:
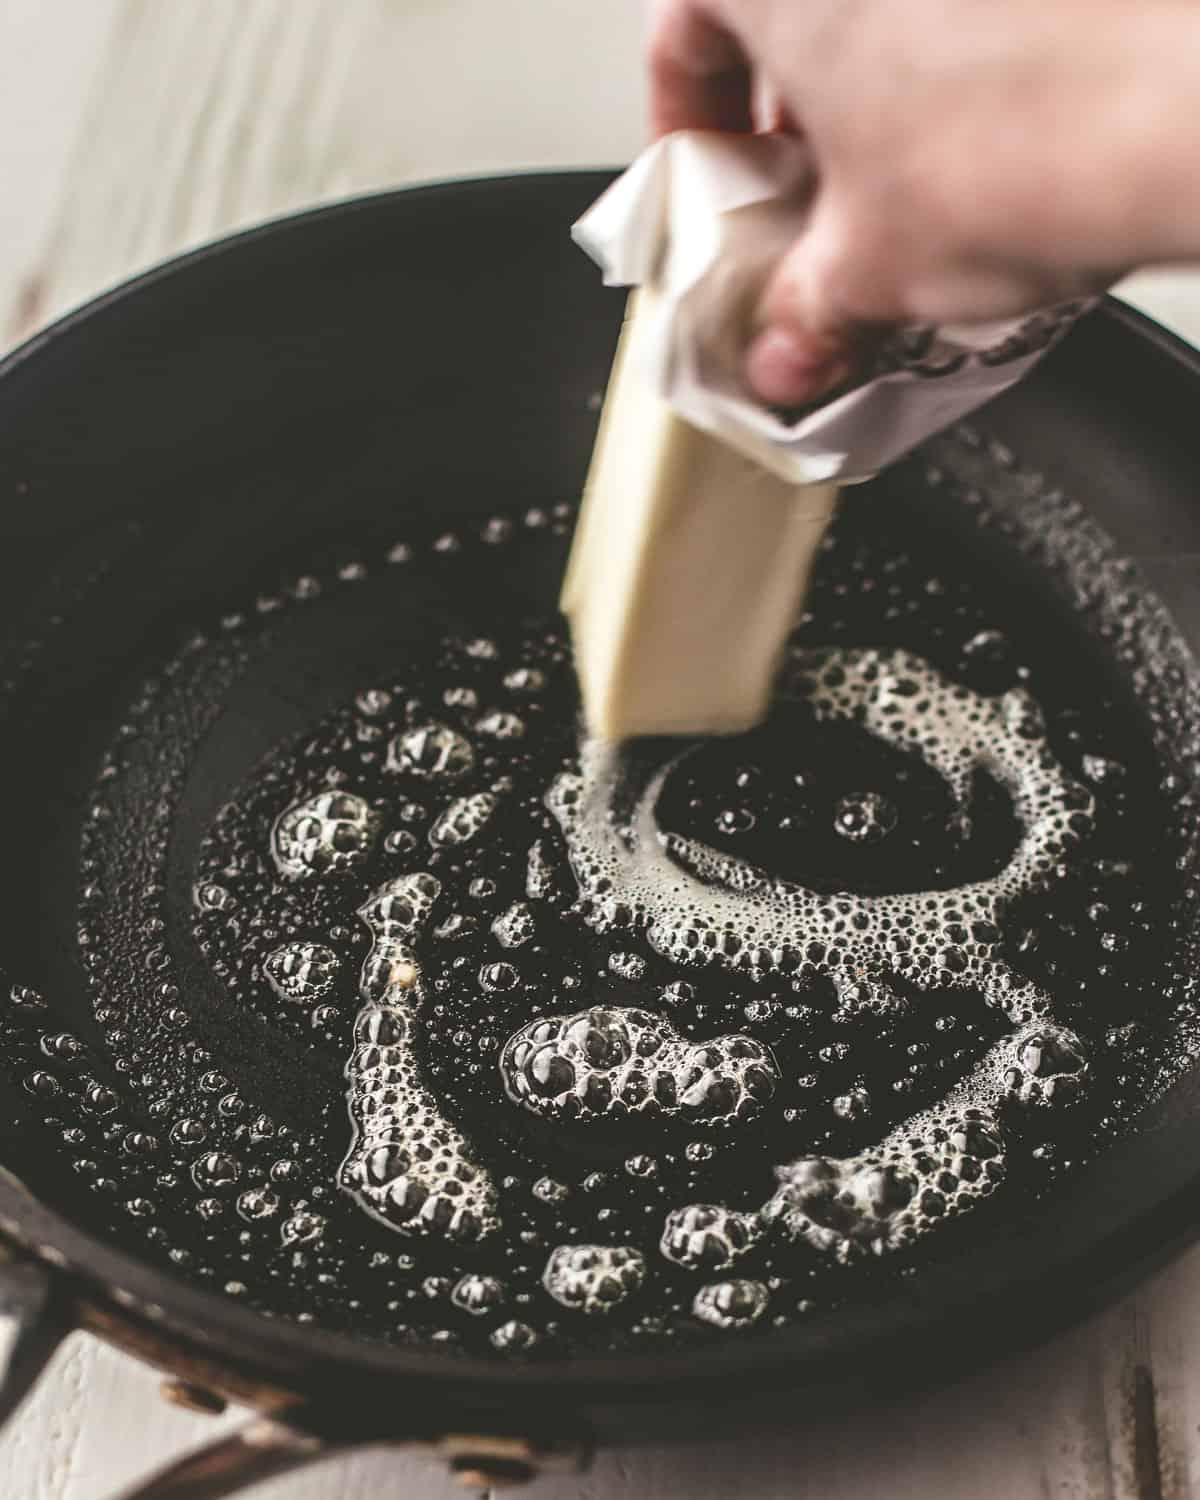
(432, 752)
(408, 1164)
(709, 1237)
(865, 817)
(463, 820)
(395, 915)
(605, 1063)
(928, 1170)
(864, 997)
(594, 1279)
(501, 724)
(301, 973)
(630, 966)
(328, 834)
(514, 927)
(477, 1294)
(731, 1304)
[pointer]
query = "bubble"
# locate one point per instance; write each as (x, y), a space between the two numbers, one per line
(709, 1237)
(513, 1337)
(188, 1132)
(373, 703)
(400, 841)
(208, 896)
(501, 725)
(594, 1279)
(329, 834)
(1102, 770)
(301, 973)
(432, 752)
(258, 1203)
(987, 646)
(477, 1294)
(302, 1228)
(607, 1063)
(852, 1105)
(677, 993)
(515, 927)
(496, 978)
(731, 1304)
(525, 680)
(735, 820)
(865, 817)
(463, 820)
(216, 1171)
(548, 1190)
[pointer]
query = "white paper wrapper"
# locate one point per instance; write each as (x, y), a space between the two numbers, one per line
(704, 218)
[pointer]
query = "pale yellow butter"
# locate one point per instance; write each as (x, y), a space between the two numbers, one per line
(689, 567)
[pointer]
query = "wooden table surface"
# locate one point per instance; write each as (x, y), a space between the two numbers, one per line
(132, 128)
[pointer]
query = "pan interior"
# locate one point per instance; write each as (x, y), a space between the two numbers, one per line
(203, 1108)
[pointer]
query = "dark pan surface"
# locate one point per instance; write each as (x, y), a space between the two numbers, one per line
(396, 366)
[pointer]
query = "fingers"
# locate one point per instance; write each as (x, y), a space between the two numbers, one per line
(700, 78)
(846, 281)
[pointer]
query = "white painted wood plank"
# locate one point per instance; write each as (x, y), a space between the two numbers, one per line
(201, 117)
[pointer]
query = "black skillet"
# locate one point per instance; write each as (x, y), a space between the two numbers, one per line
(426, 359)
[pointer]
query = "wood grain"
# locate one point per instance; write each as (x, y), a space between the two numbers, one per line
(130, 129)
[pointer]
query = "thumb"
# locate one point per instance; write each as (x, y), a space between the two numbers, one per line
(808, 340)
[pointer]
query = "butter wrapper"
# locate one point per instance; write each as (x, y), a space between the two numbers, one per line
(704, 218)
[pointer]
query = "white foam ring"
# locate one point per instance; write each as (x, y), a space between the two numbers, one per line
(697, 906)
(408, 1164)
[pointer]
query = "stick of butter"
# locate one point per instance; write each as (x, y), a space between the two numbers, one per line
(704, 509)
(688, 569)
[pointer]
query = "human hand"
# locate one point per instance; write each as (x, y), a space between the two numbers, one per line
(975, 159)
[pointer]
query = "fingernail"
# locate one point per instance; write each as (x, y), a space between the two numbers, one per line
(784, 370)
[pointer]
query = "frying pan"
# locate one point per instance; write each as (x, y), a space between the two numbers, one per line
(397, 365)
